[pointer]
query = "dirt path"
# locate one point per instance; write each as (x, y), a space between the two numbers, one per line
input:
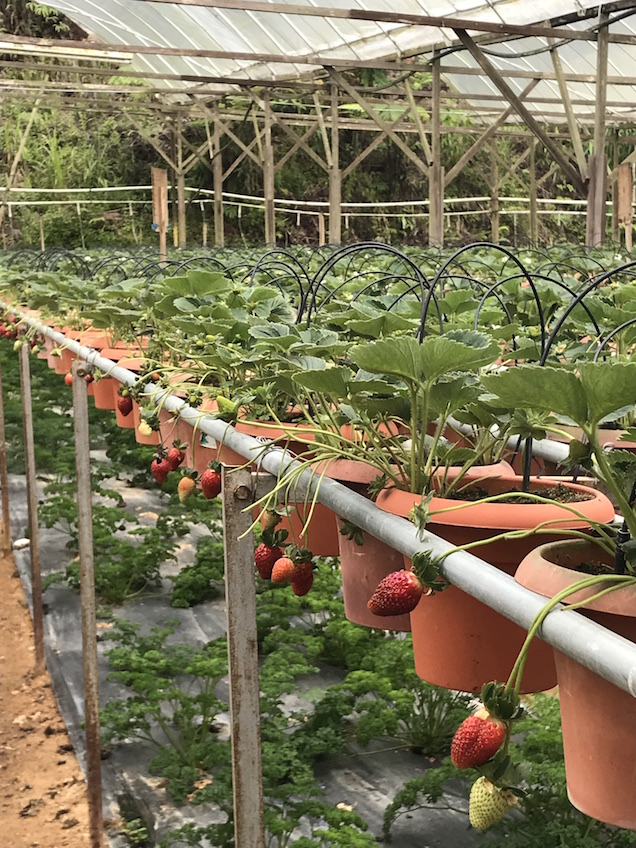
(42, 791)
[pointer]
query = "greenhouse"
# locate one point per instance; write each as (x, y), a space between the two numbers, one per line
(317, 424)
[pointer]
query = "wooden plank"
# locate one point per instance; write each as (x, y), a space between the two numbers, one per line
(508, 73)
(217, 170)
(268, 177)
(242, 648)
(4, 477)
(479, 144)
(159, 179)
(596, 211)
(494, 201)
(534, 220)
(435, 172)
(573, 126)
(624, 191)
(192, 52)
(428, 153)
(323, 129)
(601, 85)
(358, 14)
(531, 122)
(335, 176)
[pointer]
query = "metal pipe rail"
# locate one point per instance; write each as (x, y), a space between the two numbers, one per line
(604, 652)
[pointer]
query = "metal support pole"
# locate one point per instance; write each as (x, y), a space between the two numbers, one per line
(240, 598)
(87, 599)
(597, 165)
(335, 174)
(32, 502)
(4, 477)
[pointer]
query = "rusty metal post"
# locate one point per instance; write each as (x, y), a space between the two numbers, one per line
(4, 477)
(240, 598)
(32, 502)
(87, 600)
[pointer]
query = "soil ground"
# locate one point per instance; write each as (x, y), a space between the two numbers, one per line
(42, 791)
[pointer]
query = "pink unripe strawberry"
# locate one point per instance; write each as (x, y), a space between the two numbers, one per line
(125, 405)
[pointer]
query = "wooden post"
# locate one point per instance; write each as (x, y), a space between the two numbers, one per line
(41, 221)
(217, 174)
(181, 199)
(436, 172)
(159, 177)
(32, 501)
(534, 220)
(242, 646)
(321, 229)
(597, 163)
(87, 600)
(268, 176)
(624, 191)
(494, 201)
(4, 477)
(335, 175)
(173, 185)
(616, 228)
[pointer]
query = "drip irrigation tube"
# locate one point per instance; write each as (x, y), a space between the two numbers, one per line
(603, 652)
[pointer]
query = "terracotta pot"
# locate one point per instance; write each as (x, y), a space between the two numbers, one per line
(283, 435)
(606, 436)
(472, 643)
(598, 719)
(66, 360)
(322, 537)
(105, 393)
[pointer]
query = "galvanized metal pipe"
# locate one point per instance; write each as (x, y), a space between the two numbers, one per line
(608, 655)
(32, 502)
(87, 605)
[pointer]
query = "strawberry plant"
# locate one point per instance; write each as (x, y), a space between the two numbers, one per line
(201, 581)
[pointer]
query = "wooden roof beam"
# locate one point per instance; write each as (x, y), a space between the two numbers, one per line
(379, 16)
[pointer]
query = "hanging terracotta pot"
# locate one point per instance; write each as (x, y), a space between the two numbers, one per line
(458, 642)
(365, 566)
(153, 438)
(598, 719)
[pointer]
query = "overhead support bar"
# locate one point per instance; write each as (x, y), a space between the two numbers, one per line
(382, 16)
(530, 121)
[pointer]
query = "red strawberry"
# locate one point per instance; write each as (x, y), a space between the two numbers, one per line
(185, 488)
(397, 594)
(125, 405)
(210, 483)
(264, 559)
(284, 570)
(477, 739)
(68, 378)
(175, 457)
(160, 470)
(303, 579)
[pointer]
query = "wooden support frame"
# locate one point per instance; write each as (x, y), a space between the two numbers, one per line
(530, 121)
(573, 126)
(268, 176)
(534, 220)
(483, 139)
(335, 174)
(597, 164)
(436, 171)
(384, 125)
(371, 146)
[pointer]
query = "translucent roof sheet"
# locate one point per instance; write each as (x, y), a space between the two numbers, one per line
(131, 22)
